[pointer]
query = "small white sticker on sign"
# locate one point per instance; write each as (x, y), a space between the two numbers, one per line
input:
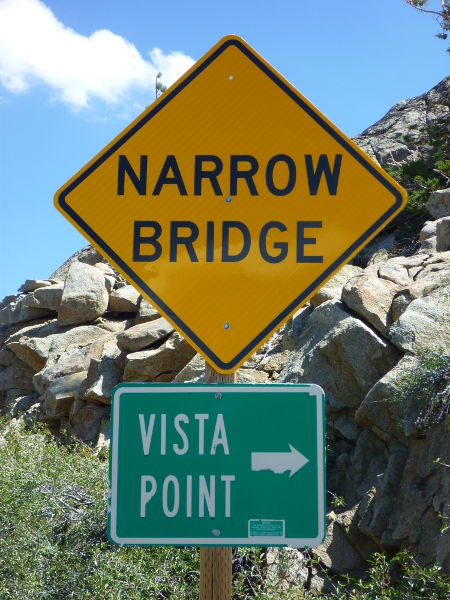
(265, 528)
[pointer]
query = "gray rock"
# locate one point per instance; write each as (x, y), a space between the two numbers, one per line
(368, 461)
(84, 297)
(47, 344)
(194, 371)
(371, 298)
(125, 299)
(110, 283)
(409, 525)
(111, 349)
(146, 312)
(429, 539)
(337, 554)
(39, 328)
(31, 285)
(437, 261)
(429, 245)
(76, 362)
(400, 304)
(320, 584)
(443, 234)
(394, 273)
(49, 297)
(443, 551)
(286, 568)
(294, 327)
(378, 411)
(251, 376)
(87, 421)
(20, 403)
(345, 424)
(378, 256)
(32, 351)
(422, 325)
(107, 269)
(77, 339)
(428, 230)
(61, 393)
(377, 251)
(143, 335)
(339, 353)
(87, 255)
(103, 375)
(6, 357)
(439, 204)
(103, 434)
(429, 277)
(70, 341)
(22, 309)
(333, 288)
(385, 141)
(408, 262)
(17, 376)
(274, 360)
(8, 300)
(113, 325)
(161, 364)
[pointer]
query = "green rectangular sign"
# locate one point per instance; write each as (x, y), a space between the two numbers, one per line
(217, 465)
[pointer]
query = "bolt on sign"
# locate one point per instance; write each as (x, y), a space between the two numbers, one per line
(229, 201)
(217, 465)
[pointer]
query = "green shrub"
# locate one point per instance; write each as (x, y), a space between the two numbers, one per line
(419, 178)
(428, 386)
(53, 542)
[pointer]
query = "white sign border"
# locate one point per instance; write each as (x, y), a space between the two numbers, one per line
(133, 388)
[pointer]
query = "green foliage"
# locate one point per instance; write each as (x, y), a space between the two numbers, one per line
(429, 386)
(159, 87)
(421, 178)
(444, 167)
(430, 379)
(336, 501)
(400, 578)
(442, 15)
(420, 181)
(53, 543)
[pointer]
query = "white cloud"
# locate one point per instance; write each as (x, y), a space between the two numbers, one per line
(37, 48)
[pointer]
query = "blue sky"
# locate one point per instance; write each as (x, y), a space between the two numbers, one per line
(74, 74)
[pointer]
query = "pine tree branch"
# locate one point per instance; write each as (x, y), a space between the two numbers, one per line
(444, 14)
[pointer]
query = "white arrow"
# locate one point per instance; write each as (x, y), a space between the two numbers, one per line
(279, 462)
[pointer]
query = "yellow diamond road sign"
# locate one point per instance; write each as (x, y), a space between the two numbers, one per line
(229, 201)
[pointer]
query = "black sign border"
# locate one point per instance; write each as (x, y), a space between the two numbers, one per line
(165, 99)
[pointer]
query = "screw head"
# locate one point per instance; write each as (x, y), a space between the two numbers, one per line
(218, 395)
(230, 77)
(226, 326)
(216, 532)
(228, 199)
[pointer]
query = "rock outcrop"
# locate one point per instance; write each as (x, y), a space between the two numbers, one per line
(361, 338)
(376, 338)
(393, 139)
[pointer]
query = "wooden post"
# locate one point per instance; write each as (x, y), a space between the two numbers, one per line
(215, 563)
